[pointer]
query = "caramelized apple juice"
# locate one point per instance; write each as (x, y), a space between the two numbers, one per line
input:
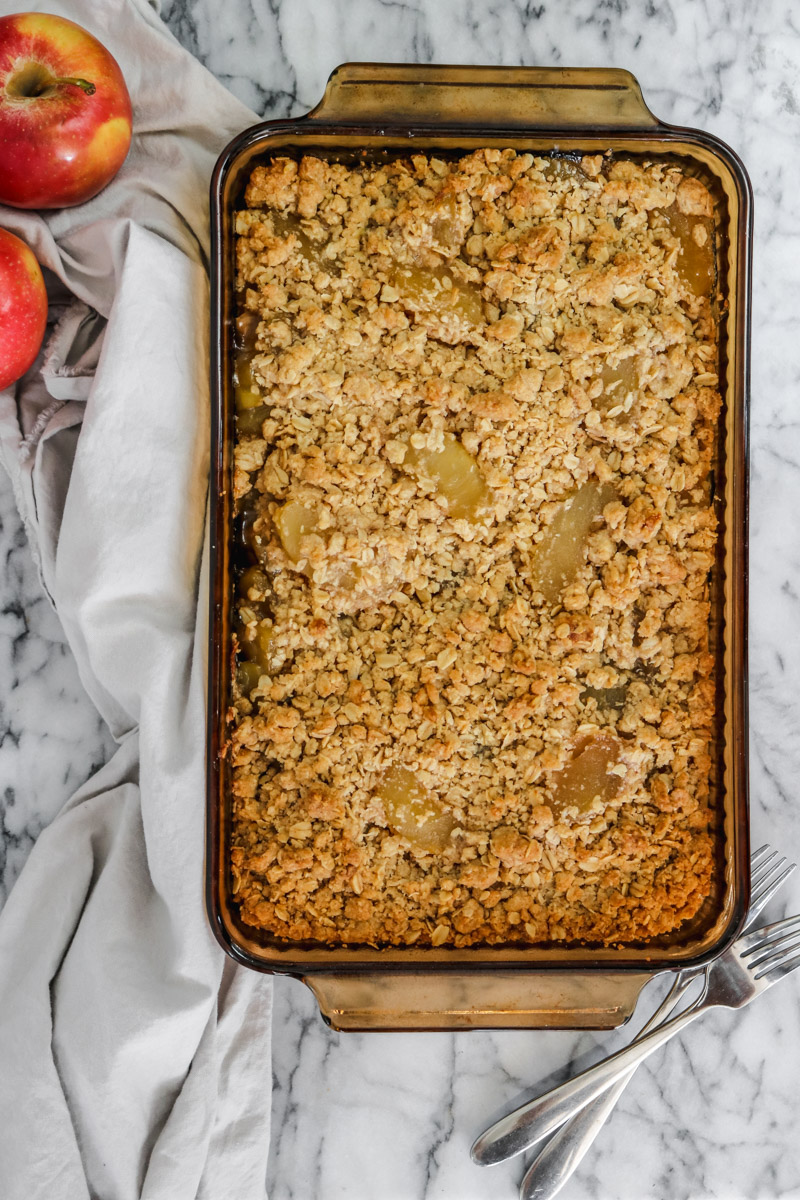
(476, 406)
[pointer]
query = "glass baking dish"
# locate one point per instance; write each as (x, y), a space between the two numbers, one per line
(376, 109)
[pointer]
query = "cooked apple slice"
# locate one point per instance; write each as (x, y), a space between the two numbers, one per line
(586, 777)
(456, 475)
(244, 377)
(253, 577)
(262, 649)
(244, 395)
(247, 329)
(256, 644)
(444, 224)
(564, 168)
(618, 381)
(607, 698)
(436, 290)
(247, 676)
(695, 263)
(412, 812)
(251, 420)
(293, 522)
(310, 251)
(562, 550)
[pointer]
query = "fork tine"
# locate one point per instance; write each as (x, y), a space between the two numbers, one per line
(765, 887)
(760, 938)
(757, 856)
(758, 869)
(776, 947)
(778, 970)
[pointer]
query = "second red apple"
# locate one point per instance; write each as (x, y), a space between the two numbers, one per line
(23, 308)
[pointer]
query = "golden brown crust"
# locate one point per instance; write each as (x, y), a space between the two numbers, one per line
(544, 315)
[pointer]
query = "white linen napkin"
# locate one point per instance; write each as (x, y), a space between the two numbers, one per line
(134, 1058)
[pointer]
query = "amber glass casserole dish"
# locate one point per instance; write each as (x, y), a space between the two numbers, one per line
(375, 114)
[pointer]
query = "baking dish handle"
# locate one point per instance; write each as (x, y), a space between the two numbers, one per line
(496, 999)
(552, 98)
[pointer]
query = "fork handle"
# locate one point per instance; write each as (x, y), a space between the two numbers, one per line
(559, 1159)
(534, 1121)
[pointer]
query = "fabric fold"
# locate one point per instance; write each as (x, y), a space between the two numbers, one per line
(135, 1056)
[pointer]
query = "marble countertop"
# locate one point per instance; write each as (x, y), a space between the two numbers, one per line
(391, 1116)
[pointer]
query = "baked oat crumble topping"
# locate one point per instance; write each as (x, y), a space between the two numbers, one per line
(477, 404)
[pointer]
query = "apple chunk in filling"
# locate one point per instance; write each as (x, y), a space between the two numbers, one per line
(456, 476)
(562, 550)
(588, 776)
(413, 812)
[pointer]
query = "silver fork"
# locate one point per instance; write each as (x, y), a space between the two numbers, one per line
(766, 876)
(749, 967)
(554, 1164)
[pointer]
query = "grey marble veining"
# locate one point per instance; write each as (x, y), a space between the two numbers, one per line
(390, 1117)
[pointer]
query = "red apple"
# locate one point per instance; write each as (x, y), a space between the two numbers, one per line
(23, 308)
(65, 113)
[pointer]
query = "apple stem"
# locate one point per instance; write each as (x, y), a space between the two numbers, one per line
(83, 84)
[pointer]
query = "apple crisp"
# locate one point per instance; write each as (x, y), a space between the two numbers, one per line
(474, 695)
